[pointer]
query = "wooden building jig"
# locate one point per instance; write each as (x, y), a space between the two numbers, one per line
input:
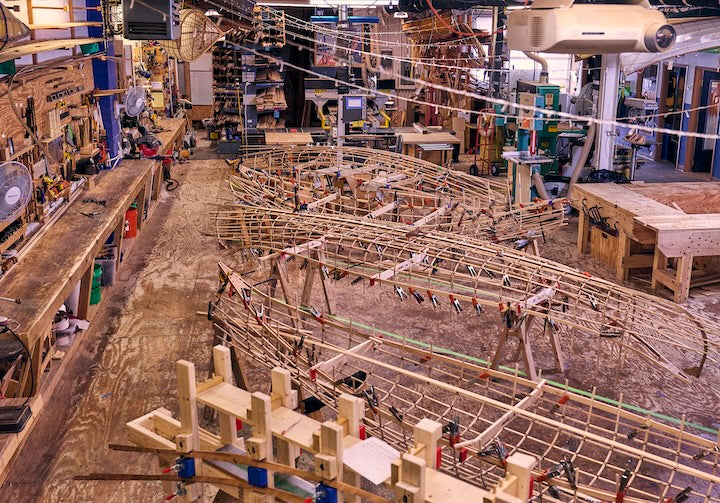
(262, 467)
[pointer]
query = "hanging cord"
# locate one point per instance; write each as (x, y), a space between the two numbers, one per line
(170, 182)
(6, 328)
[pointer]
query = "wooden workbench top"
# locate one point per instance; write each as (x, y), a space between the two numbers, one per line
(173, 128)
(690, 197)
(52, 267)
(622, 197)
(289, 138)
(436, 137)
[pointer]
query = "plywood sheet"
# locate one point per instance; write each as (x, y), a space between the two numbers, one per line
(692, 197)
(417, 138)
(287, 138)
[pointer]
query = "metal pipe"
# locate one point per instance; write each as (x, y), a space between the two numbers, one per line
(543, 65)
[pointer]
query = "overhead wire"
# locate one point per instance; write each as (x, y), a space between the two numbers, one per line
(312, 49)
(552, 114)
(353, 37)
(407, 60)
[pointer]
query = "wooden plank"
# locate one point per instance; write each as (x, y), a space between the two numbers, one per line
(19, 51)
(275, 138)
(294, 427)
(382, 210)
(296, 250)
(383, 180)
(682, 278)
(389, 273)
(323, 201)
(336, 361)
(227, 399)
(417, 138)
(430, 216)
(63, 26)
(685, 235)
(442, 488)
(639, 261)
(623, 252)
(494, 429)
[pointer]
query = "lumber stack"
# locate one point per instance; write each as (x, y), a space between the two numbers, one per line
(272, 98)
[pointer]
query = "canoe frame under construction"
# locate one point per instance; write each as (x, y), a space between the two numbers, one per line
(465, 272)
(386, 186)
(486, 414)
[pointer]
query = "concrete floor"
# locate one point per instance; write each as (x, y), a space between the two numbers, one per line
(125, 366)
(664, 171)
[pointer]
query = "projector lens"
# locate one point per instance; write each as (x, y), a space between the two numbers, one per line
(664, 37)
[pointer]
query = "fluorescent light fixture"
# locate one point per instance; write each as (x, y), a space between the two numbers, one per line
(212, 13)
(358, 4)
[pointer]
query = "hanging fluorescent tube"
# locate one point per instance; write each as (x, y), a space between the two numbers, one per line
(358, 4)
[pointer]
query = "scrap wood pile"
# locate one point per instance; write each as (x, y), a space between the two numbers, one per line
(389, 187)
(589, 449)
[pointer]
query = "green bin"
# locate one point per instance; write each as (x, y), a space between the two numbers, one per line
(96, 292)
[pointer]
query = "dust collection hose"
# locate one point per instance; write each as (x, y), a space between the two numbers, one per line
(584, 153)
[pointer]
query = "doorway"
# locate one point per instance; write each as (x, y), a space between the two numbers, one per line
(706, 119)
(671, 103)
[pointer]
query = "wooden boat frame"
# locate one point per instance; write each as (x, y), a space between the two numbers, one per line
(486, 414)
(387, 186)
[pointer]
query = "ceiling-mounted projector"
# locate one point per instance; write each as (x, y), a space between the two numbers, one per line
(561, 26)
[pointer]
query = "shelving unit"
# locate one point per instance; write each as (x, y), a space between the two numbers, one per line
(248, 89)
(264, 82)
(227, 88)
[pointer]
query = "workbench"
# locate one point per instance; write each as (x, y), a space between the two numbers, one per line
(673, 228)
(64, 256)
(413, 142)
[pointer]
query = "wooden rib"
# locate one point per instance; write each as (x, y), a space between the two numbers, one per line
(374, 183)
(364, 247)
(538, 427)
